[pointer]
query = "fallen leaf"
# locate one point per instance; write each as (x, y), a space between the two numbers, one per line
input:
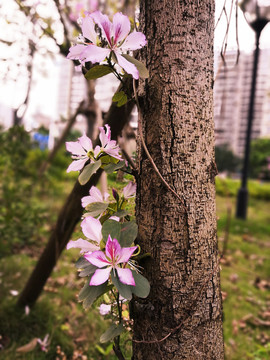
(28, 347)
(234, 278)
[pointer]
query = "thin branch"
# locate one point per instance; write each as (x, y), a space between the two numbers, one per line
(146, 150)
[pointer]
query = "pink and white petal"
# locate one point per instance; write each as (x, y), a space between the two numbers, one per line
(96, 151)
(94, 54)
(125, 276)
(104, 23)
(91, 228)
(75, 148)
(86, 200)
(75, 52)
(115, 218)
(85, 142)
(129, 190)
(77, 165)
(108, 131)
(103, 137)
(88, 29)
(121, 27)
(96, 194)
(100, 276)
(125, 254)
(112, 248)
(135, 40)
(127, 66)
(97, 258)
(84, 245)
(106, 196)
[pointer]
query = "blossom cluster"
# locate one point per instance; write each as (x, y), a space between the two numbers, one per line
(82, 150)
(106, 41)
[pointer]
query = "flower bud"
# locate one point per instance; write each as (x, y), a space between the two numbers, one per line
(115, 194)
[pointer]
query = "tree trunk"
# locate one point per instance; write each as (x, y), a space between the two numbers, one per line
(182, 317)
(70, 214)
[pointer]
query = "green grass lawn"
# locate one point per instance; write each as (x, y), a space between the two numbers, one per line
(73, 332)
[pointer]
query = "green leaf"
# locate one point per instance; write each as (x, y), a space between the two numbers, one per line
(143, 72)
(88, 171)
(96, 208)
(110, 168)
(104, 351)
(124, 290)
(107, 159)
(121, 213)
(129, 232)
(120, 97)
(98, 71)
(123, 101)
(111, 227)
(90, 269)
(89, 294)
(81, 263)
(142, 287)
(113, 331)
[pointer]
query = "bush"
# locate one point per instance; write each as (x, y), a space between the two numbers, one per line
(260, 159)
(226, 160)
(22, 214)
(230, 187)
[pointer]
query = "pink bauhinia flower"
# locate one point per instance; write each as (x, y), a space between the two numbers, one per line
(91, 228)
(115, 37)
(80, 152)
(95, 196)
(129, 190)
(108, 146)
(113, 256)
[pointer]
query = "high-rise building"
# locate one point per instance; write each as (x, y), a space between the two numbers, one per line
(232, 97)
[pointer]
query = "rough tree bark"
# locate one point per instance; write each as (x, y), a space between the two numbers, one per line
(70, 214)
(177, 119)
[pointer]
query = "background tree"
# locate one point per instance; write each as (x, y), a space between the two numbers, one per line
(226, 160)
(260, 159)
(182, 317)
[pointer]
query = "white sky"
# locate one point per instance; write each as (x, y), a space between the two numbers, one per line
(45, 87)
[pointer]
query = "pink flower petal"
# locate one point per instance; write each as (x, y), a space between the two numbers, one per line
(94, 53)
(115, 218)
(96, 194)
(104, 23)
(84, 245)
(96, 151)
(75, 52)
(112, 249)
(135, 40)
(77, 165)
(86, 200)
(125, 276)
(88, 29)
(127, 66)
(121, 27)
(103, 137)
(91, 228)
(100, 276)
(75, 148)
(112, 149)
(129, 190)
(125, 254)
(85, 142)
(97, 258)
